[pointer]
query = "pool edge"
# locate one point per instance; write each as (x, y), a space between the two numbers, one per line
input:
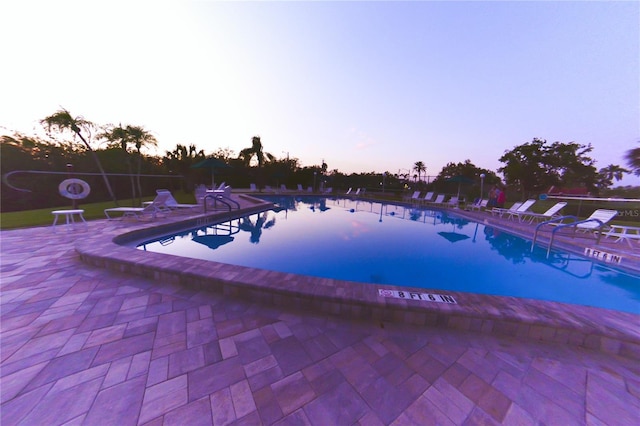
(598, 329)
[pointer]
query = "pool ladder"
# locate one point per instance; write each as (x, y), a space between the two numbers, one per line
(224, 200)
(559, 225)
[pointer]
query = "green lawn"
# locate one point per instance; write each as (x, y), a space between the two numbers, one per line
(39, 217)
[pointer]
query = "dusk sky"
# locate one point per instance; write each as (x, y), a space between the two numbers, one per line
(366, 86)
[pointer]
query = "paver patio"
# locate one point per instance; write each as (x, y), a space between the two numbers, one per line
(84, 345)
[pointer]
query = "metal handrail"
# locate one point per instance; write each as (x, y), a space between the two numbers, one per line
(548, 222)
(224, 200)
(560, 226)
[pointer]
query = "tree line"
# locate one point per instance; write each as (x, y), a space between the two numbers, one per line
(118, 162)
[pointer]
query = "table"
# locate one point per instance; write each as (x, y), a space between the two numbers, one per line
(622, 232)
(69, 216)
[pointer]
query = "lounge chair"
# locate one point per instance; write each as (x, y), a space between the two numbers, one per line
(173, 204)
(283, 188)
(549, 214)
(595, 223)
(253, 187)
(414, 197)
(453, 202)
(523, 209)
(438, 201)
(427, 197)
(479, 204)
(156, 207)
(300, 188)
(501, 212)
(348, 191)
(626, 233)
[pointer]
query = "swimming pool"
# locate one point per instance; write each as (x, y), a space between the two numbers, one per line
(402, 246)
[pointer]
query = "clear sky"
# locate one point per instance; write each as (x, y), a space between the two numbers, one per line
(366, 86)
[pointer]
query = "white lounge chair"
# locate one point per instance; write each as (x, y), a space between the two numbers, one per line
(501, 212)
(156, 207)
(622, 232)
(283, 188)
(479, 204)
(596, 221)
(453, 202)
(523, 209)
(549, 214)
(438, 201)
(427, 197)
(253, 187)
(300, 188)
(414, 197)
(173, 204)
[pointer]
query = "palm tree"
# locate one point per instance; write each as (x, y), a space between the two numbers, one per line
(140, 138)
(633, 160)
(118, 136)
(255, 150)
(180, 161)
(419, 167)
(62, 120)
(606, 175)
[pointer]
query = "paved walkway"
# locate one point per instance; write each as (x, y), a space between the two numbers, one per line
(82, 345)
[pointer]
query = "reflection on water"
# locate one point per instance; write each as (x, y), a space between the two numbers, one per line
(401, 245)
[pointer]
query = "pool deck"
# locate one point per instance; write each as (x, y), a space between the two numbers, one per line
(152, 339)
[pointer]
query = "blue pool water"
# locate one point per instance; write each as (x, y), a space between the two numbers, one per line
(396, 245)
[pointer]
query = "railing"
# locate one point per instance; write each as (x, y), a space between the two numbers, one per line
(560, 226)
(224, 200)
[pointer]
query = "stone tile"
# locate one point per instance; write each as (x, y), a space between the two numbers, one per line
(139, 364)
(60, 407)
(212, 378)
(184, 361)
(387, 401)
(267, 405)
(297, 418)
(292, 392)
(423, 412)
(192, 414)
(118, 371)
(243, 402)
(111, 408)
(290, 355)
(342, 406)
(63, 366)
(13, 383)
(158, 371)
(222, 410)
(124, 347)
(171, 323)
(252, 349)
(15, 410)
(201, 332)
(105, 335)
(164, 397)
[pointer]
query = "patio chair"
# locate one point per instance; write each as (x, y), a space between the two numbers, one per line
(154, 208)
(479, 204)
(438, 201)
(524, 208)
(253, 187)
(283, 188)
(453, 201)
(414, 197)
(300, 189)
(626, 233)
(594, 223)
(549, 214)
(173, 204)
(501, 212)
(427, 197)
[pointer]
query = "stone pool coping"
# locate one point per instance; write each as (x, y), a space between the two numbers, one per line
(593, 328)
